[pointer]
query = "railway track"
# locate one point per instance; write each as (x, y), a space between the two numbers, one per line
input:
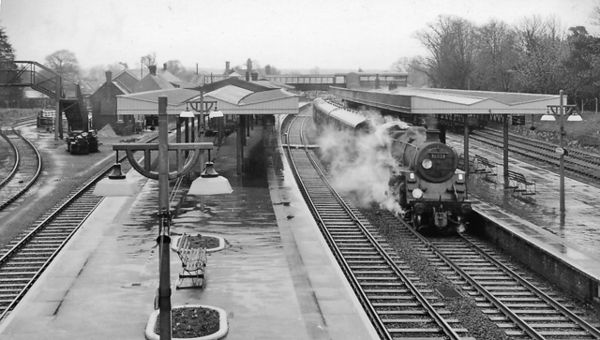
(25, 171)
(519, 305)
(579, 162)
(24, 259)
(398, 305)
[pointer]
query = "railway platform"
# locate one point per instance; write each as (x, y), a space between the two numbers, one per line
(535, 219)
(274, 278)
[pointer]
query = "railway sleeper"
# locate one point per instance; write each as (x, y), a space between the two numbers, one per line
(395, 291)
(405, 304)
(14, 281)
(413, 332)
(399, 298)
(414, 318)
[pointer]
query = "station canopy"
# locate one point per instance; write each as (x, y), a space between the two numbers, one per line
(231, 100)
(448, 101)
(234, 100)
(441, 101)
(146, 103)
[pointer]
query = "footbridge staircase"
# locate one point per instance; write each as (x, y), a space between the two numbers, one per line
(67, 94)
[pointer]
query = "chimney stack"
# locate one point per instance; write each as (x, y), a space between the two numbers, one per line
(152, 69)
(248, 69)
(164, 66)
(108, 77)
(227, 65)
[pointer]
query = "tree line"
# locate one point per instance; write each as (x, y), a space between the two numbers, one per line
(535, 56)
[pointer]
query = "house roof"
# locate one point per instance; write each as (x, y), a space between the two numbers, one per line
(126, 80)
(152, 82)
(251, 86)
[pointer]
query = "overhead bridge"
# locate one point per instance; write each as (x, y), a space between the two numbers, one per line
(322, 82)
(44, 80)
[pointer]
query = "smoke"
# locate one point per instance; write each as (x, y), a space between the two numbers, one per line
(361, 166)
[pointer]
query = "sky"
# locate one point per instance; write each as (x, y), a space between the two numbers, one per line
(290, 35)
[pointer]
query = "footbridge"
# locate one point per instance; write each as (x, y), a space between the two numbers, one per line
(67, 94)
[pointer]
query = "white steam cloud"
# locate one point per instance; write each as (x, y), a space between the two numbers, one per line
(361, 166)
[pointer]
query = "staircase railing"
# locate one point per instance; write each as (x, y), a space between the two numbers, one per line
(29, 73)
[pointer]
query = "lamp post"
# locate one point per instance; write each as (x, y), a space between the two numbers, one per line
(163, 175)
(561, 111)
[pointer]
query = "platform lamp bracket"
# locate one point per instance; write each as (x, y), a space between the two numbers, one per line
(147, 149)
(203, 106)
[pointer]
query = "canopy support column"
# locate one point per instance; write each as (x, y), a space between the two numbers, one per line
(505, 150)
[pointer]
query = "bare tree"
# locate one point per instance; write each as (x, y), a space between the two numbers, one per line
(65, 64)
(450, 42)
(149, 59)
(496, 57)
(539, 67)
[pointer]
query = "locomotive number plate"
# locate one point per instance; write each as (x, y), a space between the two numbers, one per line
(436, 155)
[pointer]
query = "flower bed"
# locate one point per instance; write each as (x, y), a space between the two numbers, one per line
(191, 322)
(208, 242)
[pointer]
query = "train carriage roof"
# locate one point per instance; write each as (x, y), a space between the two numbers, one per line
(349, 118)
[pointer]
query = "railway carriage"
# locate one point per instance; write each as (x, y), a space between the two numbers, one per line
(328, 114)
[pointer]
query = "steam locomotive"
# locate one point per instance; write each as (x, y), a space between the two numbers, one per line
(428, 186)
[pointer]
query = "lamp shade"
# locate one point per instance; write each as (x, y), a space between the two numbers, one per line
(548, 118)
(215, 114)
(210, 183)
(574, 118)
(186, 114)
(115, 184)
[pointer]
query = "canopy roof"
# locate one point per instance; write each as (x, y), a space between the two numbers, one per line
(231, 99)
(448, 101)
(147, 102)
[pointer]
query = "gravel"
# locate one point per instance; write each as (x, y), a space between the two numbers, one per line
(457, 301)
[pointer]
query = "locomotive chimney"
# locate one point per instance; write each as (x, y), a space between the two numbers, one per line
(152, 69)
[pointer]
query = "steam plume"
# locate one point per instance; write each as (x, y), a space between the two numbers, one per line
(361, 166)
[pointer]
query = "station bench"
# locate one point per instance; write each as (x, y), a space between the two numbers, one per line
(484, 165)
(193, 262)
(520, 184)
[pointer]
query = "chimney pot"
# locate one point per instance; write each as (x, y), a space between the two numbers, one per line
(108, 76)
(152, 69)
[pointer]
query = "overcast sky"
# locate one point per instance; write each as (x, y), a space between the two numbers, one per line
(302, 34)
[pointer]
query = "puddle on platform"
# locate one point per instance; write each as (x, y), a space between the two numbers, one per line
(579, 228)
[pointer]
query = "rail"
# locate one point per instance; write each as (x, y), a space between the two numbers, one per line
(378, 323)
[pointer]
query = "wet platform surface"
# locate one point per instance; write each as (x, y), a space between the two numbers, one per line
(538, 216)
(274, 278)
